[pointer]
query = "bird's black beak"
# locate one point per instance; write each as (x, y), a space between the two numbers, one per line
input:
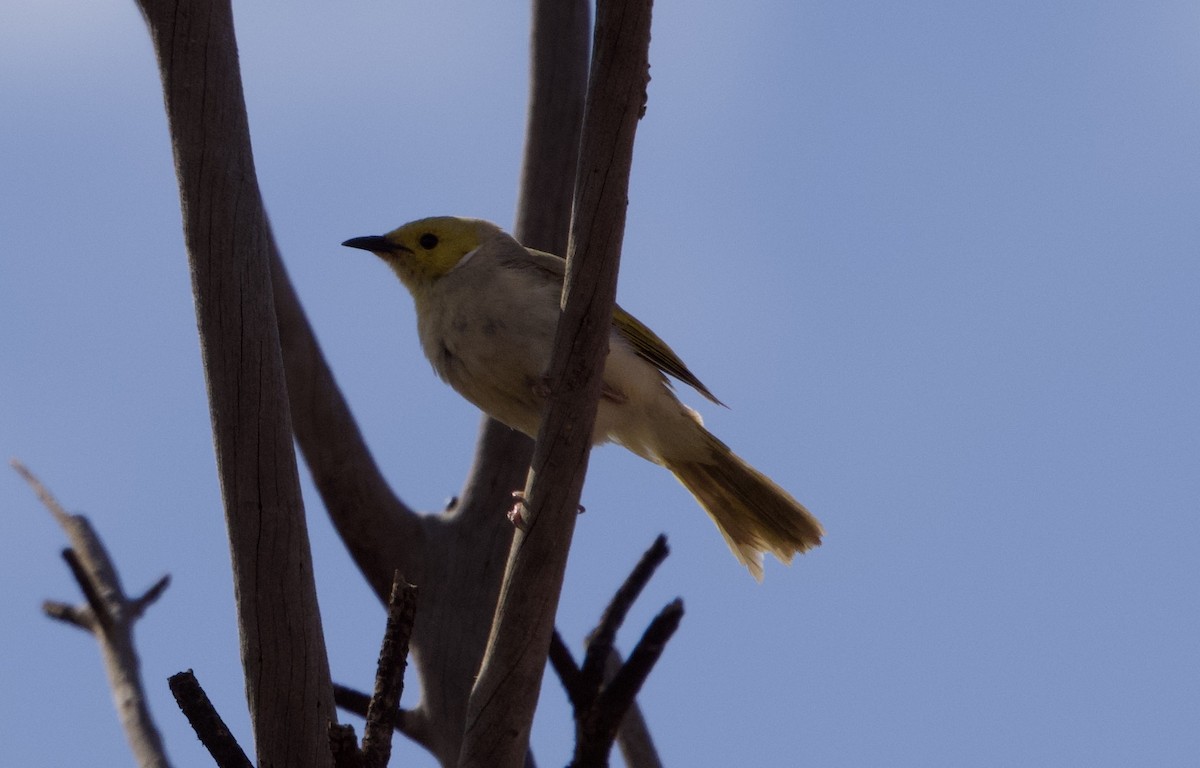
(373, 243)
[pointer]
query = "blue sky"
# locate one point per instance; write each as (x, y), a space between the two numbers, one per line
(941, 259)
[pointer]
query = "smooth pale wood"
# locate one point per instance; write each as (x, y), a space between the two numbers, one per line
(228, 242)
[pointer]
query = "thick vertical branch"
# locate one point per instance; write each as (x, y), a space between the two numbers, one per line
(558, 76)
(464, 550)
(457, 557)
(505, 695)
(227, 238)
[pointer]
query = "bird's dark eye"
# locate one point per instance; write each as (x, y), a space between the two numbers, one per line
(428, 241)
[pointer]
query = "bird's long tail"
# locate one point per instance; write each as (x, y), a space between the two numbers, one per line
(753, 513)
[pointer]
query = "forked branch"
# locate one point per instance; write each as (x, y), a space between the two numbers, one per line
(109, 615)
(603, 690)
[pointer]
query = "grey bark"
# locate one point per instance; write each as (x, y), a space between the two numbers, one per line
(228, 241)
(506, 691)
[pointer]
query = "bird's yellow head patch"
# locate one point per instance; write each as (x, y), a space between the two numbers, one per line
(422, 251)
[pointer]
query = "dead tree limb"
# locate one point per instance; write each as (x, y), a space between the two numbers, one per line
(344, 746)
(384, 708)
(602, 690)
(228, 243)
(633, 737)
(457, 557)
(600, 641)
(506, 692)
(109, 615)
(206, 721)
(596, 732)
(558, 75)
(381, 532)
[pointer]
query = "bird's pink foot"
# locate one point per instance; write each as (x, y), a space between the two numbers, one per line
(518, 515)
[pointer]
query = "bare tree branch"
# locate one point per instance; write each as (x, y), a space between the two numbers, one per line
(354, 701)
(344, 746)
(505, 695)
(456, 557)
(600, 642)
(633, 737)
(602, 691)
(65, 520)
(357, 702)
(206, 721)
(380, 531)
(109, 615)
(567, 670)
(78, 616)
(228, 242)
(383, 711)
(139, 605)
(102, 621)
(558, 75)
(597, 730)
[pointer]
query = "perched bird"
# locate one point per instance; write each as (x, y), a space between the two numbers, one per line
(487, 309)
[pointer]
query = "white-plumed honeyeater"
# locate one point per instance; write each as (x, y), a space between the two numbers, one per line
(487, 309)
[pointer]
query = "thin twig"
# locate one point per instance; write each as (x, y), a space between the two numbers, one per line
(633, 737)
(43, 493)
(139, 605)
(600, 641)
(619, 694)
(604, 705)
(109, 616)
(206, 722)
(102, 619)
(355, 702)
(567, 670)
(343, 744)
(383, 710)
(68, 614)
(596, 730)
